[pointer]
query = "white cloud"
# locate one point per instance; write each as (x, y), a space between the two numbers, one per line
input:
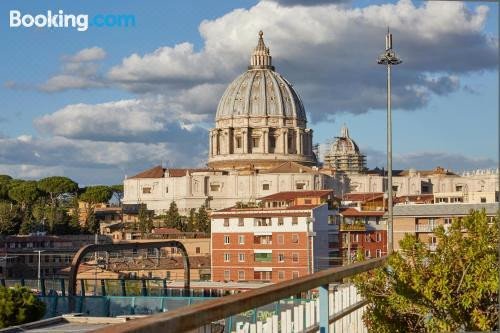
(89, 54)
(329, 52)
(78, 71)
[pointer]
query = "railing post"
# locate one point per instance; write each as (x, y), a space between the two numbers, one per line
(324, 312)
(42, 285)
(124, 289)
(2, 281)
(164, 287)
(82, 287)
(144, 290)
(22, 282)
(103, 287)
(63, 288)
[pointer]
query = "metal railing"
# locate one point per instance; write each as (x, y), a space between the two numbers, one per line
(202, 316)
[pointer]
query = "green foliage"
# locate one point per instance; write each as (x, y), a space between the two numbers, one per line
(10, 218)
(18, 306)
(96, 194)
(173, 219)
(4, 186)
(24, 193)
(202, 220)
(145, 220)
(57, 185)
(92, 196)
(454, 288)
(191, 221)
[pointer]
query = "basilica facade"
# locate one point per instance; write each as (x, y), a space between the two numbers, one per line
(261, 145)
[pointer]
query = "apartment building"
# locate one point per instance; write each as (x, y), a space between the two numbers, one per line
(19, 255)
(362, 230)
(285, 236)
(421, 220)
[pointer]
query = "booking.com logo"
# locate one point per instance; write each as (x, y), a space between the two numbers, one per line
(81, 22)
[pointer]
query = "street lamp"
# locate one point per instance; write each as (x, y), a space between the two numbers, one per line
(389, 58)
(39, 270)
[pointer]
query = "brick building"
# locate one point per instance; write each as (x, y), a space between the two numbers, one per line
(286, 236)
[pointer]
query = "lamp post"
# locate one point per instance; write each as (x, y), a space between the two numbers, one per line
(389, 58)
(39, 269)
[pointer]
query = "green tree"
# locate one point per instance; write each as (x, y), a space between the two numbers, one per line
(191, 221)
(92, 196)
(173, 218)
(202, 220)
(4, 186)
(24, 193)
(145, 220)
(453, 288)
(18, 306)
(10, 218)
(56, 186)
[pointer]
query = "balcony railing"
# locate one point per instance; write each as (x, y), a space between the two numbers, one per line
(352, 227)
(424, 227)
(204, 317)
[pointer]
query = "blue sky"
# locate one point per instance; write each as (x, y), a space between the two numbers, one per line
(448, 99)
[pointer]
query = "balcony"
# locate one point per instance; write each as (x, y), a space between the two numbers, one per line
(424, 228)
(268, 308)
(352, 227)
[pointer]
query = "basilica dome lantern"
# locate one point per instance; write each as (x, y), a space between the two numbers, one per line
(260, 121)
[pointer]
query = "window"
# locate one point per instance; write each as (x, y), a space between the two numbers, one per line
(295, 238)
(281, 275)
(447, 221)
(265, 187)
(263, 257)
(272, 142)
(226, 222)
(241, 222)
(295, 220)
(367, 237)
(458, 188)
(355, 238)
(227, 257)
(300, 186)
(379, 253)
(307, 201)
(367, 253)
(241, 239)
(265, 239)
(295, 275)
(332, 220)
(238, 142)
(379, 237)
(241, 257)
(227, 274)
(241, 275)
(281, 257)
(262, 222)
(146, 190)
(395, 188)
(166, 189)
(433, 240)
(483, 199)
(226, 239)
(377, 220)
(295, 257)
(280, 221)
(281, 239)
(255, 142)
(198, 250)
(214, 187)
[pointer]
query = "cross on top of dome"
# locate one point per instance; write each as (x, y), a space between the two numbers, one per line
(261, 57)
